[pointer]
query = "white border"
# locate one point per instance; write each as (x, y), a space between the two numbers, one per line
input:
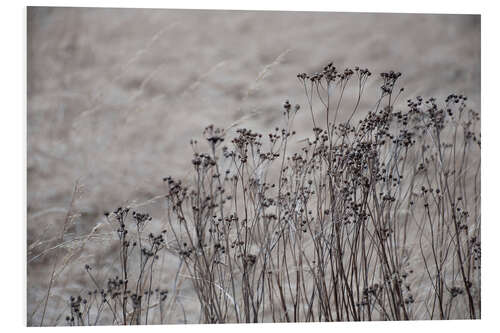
(13, 150)
(426, 6)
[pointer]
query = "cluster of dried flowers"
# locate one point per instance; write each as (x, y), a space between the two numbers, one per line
(378, 220)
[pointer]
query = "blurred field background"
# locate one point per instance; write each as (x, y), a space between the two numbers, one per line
(115, 95)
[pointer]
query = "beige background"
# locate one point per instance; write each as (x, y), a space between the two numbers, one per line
(115, 95)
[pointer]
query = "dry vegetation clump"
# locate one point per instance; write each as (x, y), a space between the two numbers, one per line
(371, 220)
